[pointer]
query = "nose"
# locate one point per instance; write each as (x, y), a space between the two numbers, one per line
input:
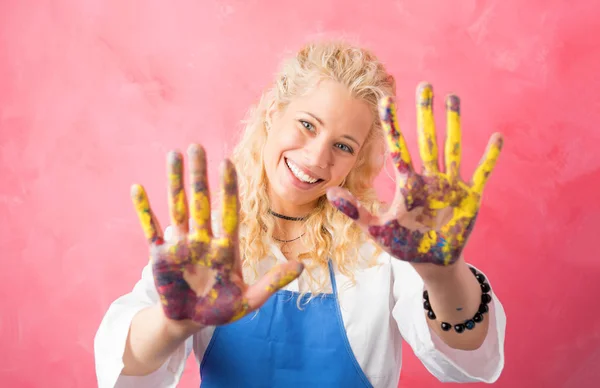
(318, 153)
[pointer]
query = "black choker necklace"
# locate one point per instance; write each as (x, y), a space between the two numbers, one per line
(288, 218)
(288, 241)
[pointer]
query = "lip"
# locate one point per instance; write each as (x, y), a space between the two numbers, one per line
(297, 182)
(304, 169)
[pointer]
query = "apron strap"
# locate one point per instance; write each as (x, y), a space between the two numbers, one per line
(332, 278)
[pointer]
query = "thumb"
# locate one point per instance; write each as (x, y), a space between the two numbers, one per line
(278, 277)
(345, 202)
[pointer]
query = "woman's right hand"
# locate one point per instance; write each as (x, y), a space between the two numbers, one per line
(198, 275)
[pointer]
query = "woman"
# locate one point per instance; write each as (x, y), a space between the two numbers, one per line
(320, 285)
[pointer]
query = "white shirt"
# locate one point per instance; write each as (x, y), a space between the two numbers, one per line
(384, 307)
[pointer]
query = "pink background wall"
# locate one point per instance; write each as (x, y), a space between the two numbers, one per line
(93, 93)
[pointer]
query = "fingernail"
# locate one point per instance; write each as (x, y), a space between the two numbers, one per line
(500, 141)
(174, 156)
(453, 103)
(195, 149)
(425, 94)
(229, 176)
(386, 107)
(136, 191)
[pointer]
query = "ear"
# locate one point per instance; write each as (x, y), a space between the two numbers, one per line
(270, 113)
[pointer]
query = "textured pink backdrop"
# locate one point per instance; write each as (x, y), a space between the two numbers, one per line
(94, 92)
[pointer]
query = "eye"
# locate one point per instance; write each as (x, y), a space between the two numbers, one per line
(345, 148)
(307, 125)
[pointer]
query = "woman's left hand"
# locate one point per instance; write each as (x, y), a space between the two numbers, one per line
(433, 213)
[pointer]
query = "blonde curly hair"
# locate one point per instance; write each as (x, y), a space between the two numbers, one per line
(333, 234)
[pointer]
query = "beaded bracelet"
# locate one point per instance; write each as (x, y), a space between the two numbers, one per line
(469, 324)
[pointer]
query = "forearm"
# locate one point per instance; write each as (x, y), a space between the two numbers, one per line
(151, 340)
(455, 298)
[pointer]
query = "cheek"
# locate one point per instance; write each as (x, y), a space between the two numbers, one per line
(341, 169)
(269, 155)
(287, 139)
(273, 150)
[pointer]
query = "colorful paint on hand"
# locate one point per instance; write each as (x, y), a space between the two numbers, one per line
(200, 203)
(177, 198)
(346, 207)
(397, 144)
(220, 305)
(230, 200)
(431, 191)
(198, 276)
(280, 279)
(441, 248)
(150, 225)
(452, 149)
(426, 128)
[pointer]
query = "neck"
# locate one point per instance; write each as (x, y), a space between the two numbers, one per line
(290, 210)
(289, 228)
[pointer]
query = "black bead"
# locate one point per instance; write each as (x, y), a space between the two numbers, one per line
(430, 314)
(483, 308)
(446, 326)
(459, 328)
(473, 270)
(486, 298)
(485, 287)
(480, 278)
(426, 305)
(478, 318)
(470, 324)
(425, 295)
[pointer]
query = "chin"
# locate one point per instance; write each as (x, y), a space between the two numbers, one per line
(293, 196)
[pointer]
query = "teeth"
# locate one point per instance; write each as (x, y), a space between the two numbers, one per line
(299, 174)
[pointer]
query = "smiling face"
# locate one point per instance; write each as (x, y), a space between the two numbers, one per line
(313, 144)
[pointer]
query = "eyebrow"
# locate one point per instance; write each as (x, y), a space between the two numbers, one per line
(322, 123)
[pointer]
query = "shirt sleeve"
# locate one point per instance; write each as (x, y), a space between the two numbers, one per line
(447, 364)
(109, 343)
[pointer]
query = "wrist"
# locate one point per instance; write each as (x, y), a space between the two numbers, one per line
(460, 331)
(457, 294)
(179, 329)
(437, 276)
(467, 301)
(455, 275)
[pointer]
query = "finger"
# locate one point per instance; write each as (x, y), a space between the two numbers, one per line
(278, 277)
(487, 163)
(453, 137)
(397, 144)
(229, 202)
(200, 202)
(150, 225)
(345, 202)
(426, 128)
(177, 199)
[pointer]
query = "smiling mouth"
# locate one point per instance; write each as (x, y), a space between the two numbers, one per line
(298, 173)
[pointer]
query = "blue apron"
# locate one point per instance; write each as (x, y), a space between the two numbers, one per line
(284, 346)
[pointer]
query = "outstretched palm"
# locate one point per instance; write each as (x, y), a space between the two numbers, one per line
(198, 276)
(433, 213)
